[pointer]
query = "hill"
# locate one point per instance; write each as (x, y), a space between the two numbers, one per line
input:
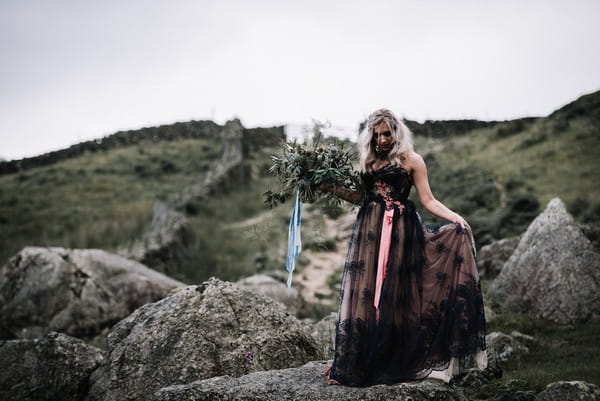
(500, 174)
(100, 194)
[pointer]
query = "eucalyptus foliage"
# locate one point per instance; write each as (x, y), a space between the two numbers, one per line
(307, 166)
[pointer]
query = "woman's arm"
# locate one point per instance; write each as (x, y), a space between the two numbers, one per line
(343, 193)
(435, 207)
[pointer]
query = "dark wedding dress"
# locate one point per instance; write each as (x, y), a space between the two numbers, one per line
(410, 302)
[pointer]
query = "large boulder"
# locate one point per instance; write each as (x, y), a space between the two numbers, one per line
(74, 291)
(553, 273)
(56, 367)
(200, 331)
(569, 390)
(303, 383)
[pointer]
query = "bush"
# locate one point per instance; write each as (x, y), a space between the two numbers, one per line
(517, 215)
(578, 207)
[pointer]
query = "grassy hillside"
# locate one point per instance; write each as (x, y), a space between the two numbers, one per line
(497, 174)
(499, 177)
(96, 200)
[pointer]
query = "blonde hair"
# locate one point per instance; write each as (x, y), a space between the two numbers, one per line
(400, 133)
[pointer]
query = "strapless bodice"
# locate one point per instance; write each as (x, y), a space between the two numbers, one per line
(388, 182)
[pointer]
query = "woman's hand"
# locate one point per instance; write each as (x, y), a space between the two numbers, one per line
(457, 219)
(321, 187)
(342, 192)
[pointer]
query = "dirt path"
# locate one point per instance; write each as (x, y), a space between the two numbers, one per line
(314, 276)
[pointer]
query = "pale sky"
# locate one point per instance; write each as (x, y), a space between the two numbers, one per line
(76, 70)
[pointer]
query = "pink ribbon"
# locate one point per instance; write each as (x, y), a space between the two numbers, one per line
(384, 244)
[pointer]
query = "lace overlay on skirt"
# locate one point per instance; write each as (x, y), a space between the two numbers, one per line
(415, 309)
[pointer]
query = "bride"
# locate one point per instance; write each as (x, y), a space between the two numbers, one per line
(410, 302)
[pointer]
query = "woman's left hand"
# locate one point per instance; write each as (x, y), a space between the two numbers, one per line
(459, 220)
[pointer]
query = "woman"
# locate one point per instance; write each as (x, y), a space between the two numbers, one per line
(410, 299)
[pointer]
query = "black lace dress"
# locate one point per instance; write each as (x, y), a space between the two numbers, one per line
(424, 317)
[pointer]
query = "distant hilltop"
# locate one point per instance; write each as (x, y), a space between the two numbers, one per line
(588, 105)
(168, 132)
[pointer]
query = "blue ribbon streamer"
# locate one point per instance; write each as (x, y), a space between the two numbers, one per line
(294, 241)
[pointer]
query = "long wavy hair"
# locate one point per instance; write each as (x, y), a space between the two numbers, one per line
(402, 135)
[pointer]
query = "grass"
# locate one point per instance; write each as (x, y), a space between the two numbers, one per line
(228, 247)
(97, 200)
(563, 163)
(562, 352)
(490, 175)
(499, 178)
(495, 180)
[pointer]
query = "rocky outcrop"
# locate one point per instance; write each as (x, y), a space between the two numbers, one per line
(304, 383)
(202, 331)
(553, 273)
(569, 390)
(492, 257)
(74, 291)
(55, 367)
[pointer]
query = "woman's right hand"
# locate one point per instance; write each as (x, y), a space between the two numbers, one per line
(322, 186)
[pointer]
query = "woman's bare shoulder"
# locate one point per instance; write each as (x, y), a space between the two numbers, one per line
(413, 161)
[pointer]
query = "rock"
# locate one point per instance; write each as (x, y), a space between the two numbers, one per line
(510, 390)
(592, 232)
(199, 332)
(553, 273)
(303, 383)
(55, 367)
(274, 289)
(166, 241)
(492, 257)
(73, 291)
(524, 339)
(501, 346)
(477, 378)
(569, 390)
(324, 333)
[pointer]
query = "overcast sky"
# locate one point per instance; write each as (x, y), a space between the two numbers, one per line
(76, 70)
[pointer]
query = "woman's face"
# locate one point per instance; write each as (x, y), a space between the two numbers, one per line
(382, 137)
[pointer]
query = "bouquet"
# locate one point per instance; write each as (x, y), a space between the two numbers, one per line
(304, 167)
